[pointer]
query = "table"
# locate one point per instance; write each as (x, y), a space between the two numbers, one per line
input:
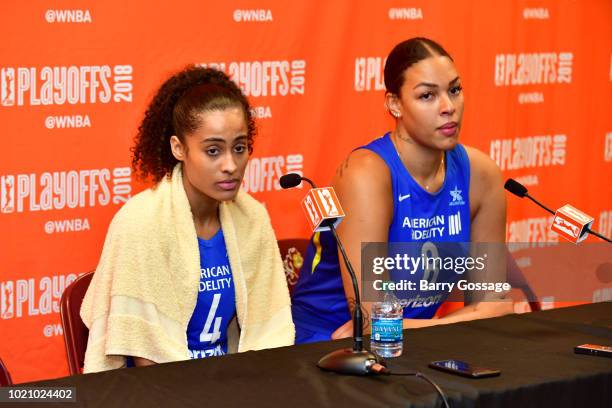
(534, 352)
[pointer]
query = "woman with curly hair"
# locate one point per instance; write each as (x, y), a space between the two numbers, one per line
(190, 267)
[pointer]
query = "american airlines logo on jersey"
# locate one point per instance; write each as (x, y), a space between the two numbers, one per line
(457, 198)
(433, 227)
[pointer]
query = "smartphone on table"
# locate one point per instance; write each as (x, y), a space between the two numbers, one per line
(463, 368)
(594, 350)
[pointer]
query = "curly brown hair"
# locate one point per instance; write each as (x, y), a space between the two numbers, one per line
(174, 110)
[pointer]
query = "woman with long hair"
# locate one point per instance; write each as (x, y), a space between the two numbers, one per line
(414, 184)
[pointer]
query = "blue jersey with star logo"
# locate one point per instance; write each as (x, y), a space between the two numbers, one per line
(420, 216)
(318, 301)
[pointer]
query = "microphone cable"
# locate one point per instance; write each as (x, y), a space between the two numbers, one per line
(597, 234)
(380, 369)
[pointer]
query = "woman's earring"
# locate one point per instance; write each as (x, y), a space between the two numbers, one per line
(396, 114)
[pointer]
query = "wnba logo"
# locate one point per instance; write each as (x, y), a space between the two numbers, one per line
(313, 214)
(322, 207)
(7, 86)
(7, 194)
(327, 200)
(7, 305)
(369, 73)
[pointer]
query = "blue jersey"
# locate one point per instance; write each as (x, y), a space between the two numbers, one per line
(318, 302)
(216, 304)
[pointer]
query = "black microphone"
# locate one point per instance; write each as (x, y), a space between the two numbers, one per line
(515, 188)
(293, 180)
(290, 180)
(520, 190)
(355, 361)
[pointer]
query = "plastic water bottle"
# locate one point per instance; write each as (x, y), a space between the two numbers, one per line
(387, 318)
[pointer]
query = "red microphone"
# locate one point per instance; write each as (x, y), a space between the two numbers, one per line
(569, 222)
(322, 207)
(572, 224)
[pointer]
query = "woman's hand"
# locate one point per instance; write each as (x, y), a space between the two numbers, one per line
(346, 330)
(142, 362)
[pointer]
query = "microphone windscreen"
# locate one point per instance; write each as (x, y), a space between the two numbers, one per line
(290, 180)
(515, 188)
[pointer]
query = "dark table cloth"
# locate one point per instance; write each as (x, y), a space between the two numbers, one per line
(533, 351)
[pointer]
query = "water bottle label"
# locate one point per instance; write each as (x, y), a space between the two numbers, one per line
(387, 330)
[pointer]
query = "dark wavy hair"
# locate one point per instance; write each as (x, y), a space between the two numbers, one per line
(404, 55)
(174, 110)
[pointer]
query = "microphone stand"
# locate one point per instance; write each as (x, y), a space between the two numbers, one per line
(356, 360)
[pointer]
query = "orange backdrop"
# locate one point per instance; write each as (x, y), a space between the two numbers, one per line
(75, 77)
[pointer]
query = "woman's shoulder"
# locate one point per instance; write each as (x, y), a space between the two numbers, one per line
(138, 212)
(486, 179)
(363, 185)
(362, 166)
(482, 167)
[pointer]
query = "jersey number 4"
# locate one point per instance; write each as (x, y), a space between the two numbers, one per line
(206, 334)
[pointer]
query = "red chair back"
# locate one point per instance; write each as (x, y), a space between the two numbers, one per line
(75, 331)
(292, 252)
(5, 377)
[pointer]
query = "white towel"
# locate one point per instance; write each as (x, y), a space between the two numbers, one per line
(145, 287)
